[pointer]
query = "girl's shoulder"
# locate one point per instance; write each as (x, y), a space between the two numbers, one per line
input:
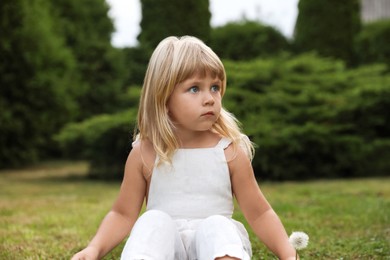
(145, 152)
(241, 145)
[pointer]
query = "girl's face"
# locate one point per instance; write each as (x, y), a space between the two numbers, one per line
(195, 104)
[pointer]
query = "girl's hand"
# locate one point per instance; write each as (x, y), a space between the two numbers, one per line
(88, 253)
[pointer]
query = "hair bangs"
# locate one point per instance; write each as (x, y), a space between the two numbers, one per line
(198, 59)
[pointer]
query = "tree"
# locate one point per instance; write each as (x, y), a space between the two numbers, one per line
(57, 66)
(36, 73)
(247, 40)
(162, 18)
(372, 44)
(328, 27)
(87, 30)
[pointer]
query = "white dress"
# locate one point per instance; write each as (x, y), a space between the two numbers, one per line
(195, 187)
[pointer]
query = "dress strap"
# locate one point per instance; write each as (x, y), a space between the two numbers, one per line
(223, 143)
(137, 140)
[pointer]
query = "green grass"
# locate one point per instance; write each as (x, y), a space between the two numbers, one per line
(50, 211)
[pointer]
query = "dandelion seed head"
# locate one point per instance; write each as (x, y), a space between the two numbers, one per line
(299, 240)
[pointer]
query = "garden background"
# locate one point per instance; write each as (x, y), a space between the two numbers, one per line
(316, 106)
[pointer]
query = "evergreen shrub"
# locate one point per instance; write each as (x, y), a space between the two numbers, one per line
(316, 119)
(103, 140)
(328, 27)
(372, 43)
(310, 118)
(247, 40)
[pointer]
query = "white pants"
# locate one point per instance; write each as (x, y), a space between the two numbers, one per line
(156, 236)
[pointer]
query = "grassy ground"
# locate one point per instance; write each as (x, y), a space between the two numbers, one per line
(51, 211)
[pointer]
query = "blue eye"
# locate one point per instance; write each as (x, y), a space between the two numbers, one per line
(215, 88)
(193, 89)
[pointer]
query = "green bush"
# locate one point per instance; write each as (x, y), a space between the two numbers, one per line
(163, 18)
(247, 40)
(86, 30)
(103, 140)
(136, 62)
(372, 44)
(328, 27)
(310, 117)
(57, 65)
(315, 119)
(37, 85)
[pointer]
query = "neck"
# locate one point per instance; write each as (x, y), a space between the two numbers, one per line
(201, 139)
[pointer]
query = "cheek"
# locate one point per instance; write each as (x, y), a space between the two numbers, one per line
(175, 111)
(218, 102)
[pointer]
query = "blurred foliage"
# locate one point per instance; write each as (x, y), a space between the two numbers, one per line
(57, 66)
(101, 72)
(372, 44)
(136, 62)
(162, 18)
(247, 40)
(328, 27)
(311, 117)
(36, 81)
(105, 142)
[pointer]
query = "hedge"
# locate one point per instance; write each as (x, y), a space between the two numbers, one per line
(103, 140)
(310, 117)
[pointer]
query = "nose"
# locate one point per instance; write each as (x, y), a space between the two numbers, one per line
(208, 99)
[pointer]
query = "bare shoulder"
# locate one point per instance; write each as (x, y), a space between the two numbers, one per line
(143, 155)
(237, 159)
(236, 153)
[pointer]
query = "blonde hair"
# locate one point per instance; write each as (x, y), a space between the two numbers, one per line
(174, 60)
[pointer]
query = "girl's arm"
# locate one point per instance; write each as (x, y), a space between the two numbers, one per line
(125, 211)
(257, 211)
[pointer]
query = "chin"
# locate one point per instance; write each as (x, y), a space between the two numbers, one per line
(205, 128)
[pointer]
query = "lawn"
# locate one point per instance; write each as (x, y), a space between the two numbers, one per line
(51, 211)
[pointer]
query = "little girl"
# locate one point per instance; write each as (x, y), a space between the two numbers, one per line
(189, 159)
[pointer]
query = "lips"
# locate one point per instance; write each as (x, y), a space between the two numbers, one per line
(210, 113)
